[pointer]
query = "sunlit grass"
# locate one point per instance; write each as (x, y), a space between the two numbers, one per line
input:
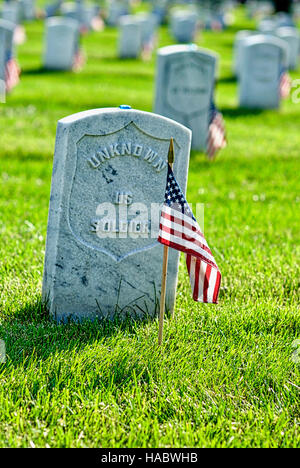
(224, 377)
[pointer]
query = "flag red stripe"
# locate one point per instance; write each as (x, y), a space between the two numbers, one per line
(187, 237)
(196, 284)
(217, 287)
(182, 222)
(192, 252)
(206, 282)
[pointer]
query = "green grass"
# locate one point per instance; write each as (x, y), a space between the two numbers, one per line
(224, 376)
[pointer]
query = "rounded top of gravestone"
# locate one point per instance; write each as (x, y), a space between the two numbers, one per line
(63, 21)
(124, 106)
(265, 39)
(287, 31)
(186, 49)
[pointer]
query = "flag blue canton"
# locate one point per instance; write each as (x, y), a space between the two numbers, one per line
(174, 196)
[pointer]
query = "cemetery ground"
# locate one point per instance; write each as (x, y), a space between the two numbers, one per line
(224, 376)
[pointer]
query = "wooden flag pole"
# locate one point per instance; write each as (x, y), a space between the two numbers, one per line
(165, 264)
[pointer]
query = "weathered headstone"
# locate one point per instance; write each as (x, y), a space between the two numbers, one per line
(185, 84)
(148, 24)
(130, 37)
(61, 44)
(52, 9)
(108, 182)
(292, 37)
(267, 26)
(184, 25)
(160, 10)
(84, 14)
(284, 20)
(237, 48)
(28, 9)
(11, 12)
(117, 9)
(263, 60)
(6, 52)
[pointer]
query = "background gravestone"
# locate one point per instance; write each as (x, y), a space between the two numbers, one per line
(184, 25)
(263, 60)
(11, 12)
(6, 47)
(84, 14)
(292, 38)
(185, 84)
(28, 9)
(117, 9)
(115, 157)
(130, 37)
(148, 25)
(61, 43)
(238, 47)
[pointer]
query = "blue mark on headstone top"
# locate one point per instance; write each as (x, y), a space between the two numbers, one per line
(124, 106)
(193, 46)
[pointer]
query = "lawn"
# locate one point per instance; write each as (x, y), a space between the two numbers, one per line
(224, 376)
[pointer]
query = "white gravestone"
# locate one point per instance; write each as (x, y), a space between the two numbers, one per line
(263, 60)
(185, 84)
(84, 14)
(238, 46)
(160, 10)
(148, 24)
(6, 51)
(116, 9)
(184, 25)
(109, 179)
(61, 43)
(130, 37)
(292, 37)
(11, 12)
(28, 9)
(284, 20)
(267, 26)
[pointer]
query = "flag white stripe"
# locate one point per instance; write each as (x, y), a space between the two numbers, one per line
(192, 272)
(202, 272)
(182, 228)
(173, 212)
(188, 245)
(212, 283)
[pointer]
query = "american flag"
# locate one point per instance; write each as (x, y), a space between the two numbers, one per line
(79, 60)
(216, 139)
(180, 230)
(285, 85)
(12, 73)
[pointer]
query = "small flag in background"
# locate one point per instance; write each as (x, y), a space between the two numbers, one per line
(12, 74)
(79, 60)
(180, 230)
(216, 133)
(285, 85)
(19, 35)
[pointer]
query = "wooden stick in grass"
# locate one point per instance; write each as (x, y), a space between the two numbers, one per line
(165, 263)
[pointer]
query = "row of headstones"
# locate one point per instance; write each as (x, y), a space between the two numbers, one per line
(137, 32)
(260, 64)
(18, 11)
(260, 9)
(289, 35)
(262, 57)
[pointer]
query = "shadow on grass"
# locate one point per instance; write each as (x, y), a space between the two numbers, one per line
(227, 79)
(33, 331)
(240, 112)
(44, 71)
